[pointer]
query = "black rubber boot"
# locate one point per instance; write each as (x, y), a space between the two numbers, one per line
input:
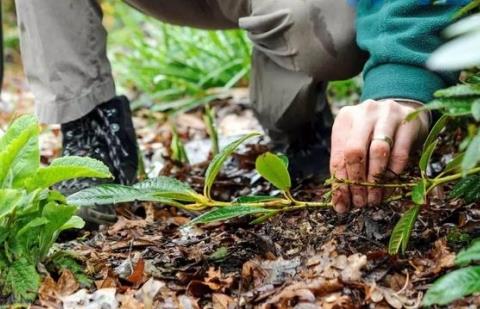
(106, 134)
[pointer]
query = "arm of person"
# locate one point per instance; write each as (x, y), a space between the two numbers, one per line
(372, 138)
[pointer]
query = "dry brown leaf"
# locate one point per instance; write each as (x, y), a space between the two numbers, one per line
(67, 284)
(303, 291)
(128, 301)
(124, 224)
(109, 280)
(51, 292)
(222, 301)
(47, 293)
(137, 275)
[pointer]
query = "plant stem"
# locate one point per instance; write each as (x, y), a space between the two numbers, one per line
(279, 203)
(440, 181)
(377, 185)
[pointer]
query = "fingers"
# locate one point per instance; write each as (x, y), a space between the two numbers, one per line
(340, 130)
(379, 153)
(405, 137)
(356, 155)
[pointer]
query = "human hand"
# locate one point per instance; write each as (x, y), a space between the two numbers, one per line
(368, 140)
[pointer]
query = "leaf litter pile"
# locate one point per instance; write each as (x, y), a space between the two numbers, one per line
(316, 258)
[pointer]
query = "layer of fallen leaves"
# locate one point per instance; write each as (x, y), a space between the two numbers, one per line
(306, 259)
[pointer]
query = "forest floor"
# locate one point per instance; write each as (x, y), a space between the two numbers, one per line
(305, 259)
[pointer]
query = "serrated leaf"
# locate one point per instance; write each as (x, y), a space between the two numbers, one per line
(113, 194)
(468, 189)
(435, 131)
(274, 169)
(472, 154)
(402, 231)
(22, 281)
(225, 213)
(454, 285)
(427, 156)
(170, 188)
(68, 168)
(19, 152)
(218, 161)
(469, 255)
(419, 192)
(465, 187)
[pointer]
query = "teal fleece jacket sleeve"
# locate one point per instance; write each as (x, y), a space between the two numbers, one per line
(399, 36)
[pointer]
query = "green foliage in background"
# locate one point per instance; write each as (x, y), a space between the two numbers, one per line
(31, 214)
(179, 66)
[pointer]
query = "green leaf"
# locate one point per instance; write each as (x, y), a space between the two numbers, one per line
(458, 91)
(402, 231)
(254, 199)
(476, 110)
(75, 222)
(453, 286)
(19, 152)
(469, 255)
(57, 215)
(225, 213)
(467, 188)
(39, 221)
(209, 119)
(427, 156)
(68, 168)
(65, 260)
(284, 159)
(435, 131)
(170, 188)
(455, 164)
(113, 194)
(9, 201)
(218, 161)
(274, 169)
(22, 280)
(460, 106)
(419, 192)
(472, 155)
(177, 148)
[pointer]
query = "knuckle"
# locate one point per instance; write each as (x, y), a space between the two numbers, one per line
(370, 105)
(380, 149)
(400, 157)
(355, 154)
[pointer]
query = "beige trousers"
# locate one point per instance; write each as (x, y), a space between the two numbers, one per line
(299, 45)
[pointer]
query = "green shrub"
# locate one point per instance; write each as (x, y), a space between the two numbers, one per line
(32, 215)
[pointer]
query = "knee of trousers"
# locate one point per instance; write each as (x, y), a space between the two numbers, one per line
(284, 101)
(316, 37)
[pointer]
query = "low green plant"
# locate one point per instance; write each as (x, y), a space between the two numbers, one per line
(459, 283)
(172, 192)
(178, 67)
(32, 215)
(209, 120)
